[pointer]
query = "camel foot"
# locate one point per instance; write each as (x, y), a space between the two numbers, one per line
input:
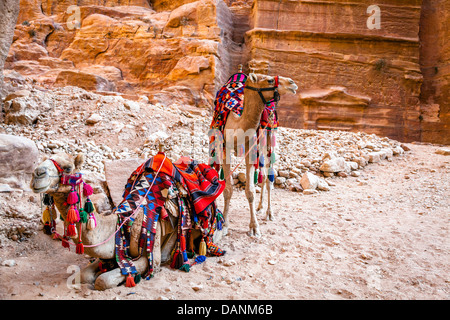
(110, 279)
(269, 215)
(224, 231)
(254, 231)
(88, 274)
(259, 210)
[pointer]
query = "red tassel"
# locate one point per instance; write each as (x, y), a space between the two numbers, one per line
(100, 267)
(177, 260)
(87, 190)
(130, 281)
(72, 198)
(80, 248)
(260, 176)
(71, 230)
(182, 243)
(174, 259)
(65, 243)
(72, 215)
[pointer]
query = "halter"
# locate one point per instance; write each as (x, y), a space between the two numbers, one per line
(58, 167)
(276, 95)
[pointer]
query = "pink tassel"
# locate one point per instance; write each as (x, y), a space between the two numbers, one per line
(72, 198)
(87, 190)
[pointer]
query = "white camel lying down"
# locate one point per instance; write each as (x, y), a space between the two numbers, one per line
(47, 179)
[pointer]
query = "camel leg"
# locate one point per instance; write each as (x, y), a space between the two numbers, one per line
(250, 194)
(261, 199)
(113, 278)
(269, 213)
(157, 248)
(227, 194)
(88, 274)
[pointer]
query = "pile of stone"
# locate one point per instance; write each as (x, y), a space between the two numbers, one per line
(109, 128)
(309, 159)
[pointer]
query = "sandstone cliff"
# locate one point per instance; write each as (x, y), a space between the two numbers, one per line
(9, 9)
(435, 67)
(360, 67)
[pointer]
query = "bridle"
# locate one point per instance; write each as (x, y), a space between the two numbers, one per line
(58, 167)
(276, 95)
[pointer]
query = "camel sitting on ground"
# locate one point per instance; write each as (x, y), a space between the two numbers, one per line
(46, 179)
(242, 125)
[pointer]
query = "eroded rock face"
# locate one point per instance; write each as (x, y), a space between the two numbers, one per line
(125, 47)
(9, 9)
(435, 66)
(379, 68)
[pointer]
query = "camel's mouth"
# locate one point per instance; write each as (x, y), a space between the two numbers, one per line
(293, 89)
(39, 185)
(40, 190)
(41, 181)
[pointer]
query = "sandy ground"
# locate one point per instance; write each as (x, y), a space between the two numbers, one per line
(383, 235)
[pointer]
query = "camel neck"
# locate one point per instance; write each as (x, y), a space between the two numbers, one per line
(253, 108)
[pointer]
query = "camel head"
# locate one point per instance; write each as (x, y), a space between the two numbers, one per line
(47, 176)
(261, 81)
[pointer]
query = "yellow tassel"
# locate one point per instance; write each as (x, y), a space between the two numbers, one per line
(202, 249)
(46, 216)
(53, 212)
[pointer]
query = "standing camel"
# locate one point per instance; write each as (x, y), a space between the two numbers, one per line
(237, 128)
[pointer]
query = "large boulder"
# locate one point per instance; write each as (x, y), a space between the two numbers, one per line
(117, 173)
(18, 156)
(24, 107)
(309, 181)
(337, 164)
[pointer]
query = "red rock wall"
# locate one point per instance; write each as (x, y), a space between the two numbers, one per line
(392, 80)
(126, 46)
(435, 66)
(326, 44)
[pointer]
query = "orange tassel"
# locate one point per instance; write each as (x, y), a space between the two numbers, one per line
(72, 215)
(130, 281)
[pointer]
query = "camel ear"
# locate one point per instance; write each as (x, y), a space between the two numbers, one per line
(253, 77)
(79, 160)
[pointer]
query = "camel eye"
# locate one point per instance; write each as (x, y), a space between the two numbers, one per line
(271, 81)
(67, 169)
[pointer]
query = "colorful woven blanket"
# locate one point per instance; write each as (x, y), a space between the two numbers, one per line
(203, 187)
